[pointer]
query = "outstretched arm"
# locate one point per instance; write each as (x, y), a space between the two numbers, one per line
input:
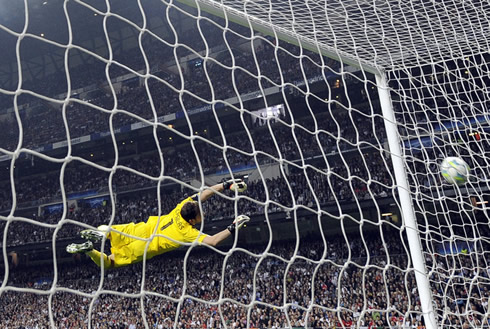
(234, 185)
(214, 240)
(206, 194)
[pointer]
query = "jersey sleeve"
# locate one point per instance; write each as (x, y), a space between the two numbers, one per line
(192, 234)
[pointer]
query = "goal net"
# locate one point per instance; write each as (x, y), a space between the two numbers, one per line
(336, 113)
(442, 111)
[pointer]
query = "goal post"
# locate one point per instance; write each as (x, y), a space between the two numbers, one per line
(406, 203)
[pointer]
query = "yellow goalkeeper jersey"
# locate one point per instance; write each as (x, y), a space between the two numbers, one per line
(172, 230)
(176, 228)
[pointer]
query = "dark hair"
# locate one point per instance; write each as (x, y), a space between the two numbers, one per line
(190, 210)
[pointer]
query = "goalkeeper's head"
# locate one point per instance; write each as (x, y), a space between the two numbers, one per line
(191, 213)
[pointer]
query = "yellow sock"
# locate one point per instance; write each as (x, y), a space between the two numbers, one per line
(95, 256)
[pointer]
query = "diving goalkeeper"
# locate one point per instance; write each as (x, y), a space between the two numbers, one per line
(178, 226)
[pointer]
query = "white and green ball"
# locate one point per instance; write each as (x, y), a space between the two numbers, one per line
(455, 170)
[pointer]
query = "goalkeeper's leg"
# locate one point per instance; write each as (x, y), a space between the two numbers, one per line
(88, 248)
(106, 261)
(113, 233)
(125, 255)
(125, 249)
(122, 246)
(95, 235)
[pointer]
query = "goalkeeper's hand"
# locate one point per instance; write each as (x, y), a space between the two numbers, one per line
(235, 185)
(238, 223)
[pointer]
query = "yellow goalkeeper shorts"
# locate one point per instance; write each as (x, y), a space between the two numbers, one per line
(127, 250)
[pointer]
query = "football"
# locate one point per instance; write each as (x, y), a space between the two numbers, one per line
(455, 170)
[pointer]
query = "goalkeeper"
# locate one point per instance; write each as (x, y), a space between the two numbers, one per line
(173, 229)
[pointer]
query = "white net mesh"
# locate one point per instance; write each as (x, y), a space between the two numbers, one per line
(114, 111)
(442, 112)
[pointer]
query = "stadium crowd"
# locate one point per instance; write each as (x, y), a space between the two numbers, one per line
(42, 125)
(183, 164)
(371, 292)
(138, 206)
(42, 189)
(330, 131)
(374, 292)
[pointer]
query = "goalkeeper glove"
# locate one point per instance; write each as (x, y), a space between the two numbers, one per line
(235, 185)
(238, 223)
